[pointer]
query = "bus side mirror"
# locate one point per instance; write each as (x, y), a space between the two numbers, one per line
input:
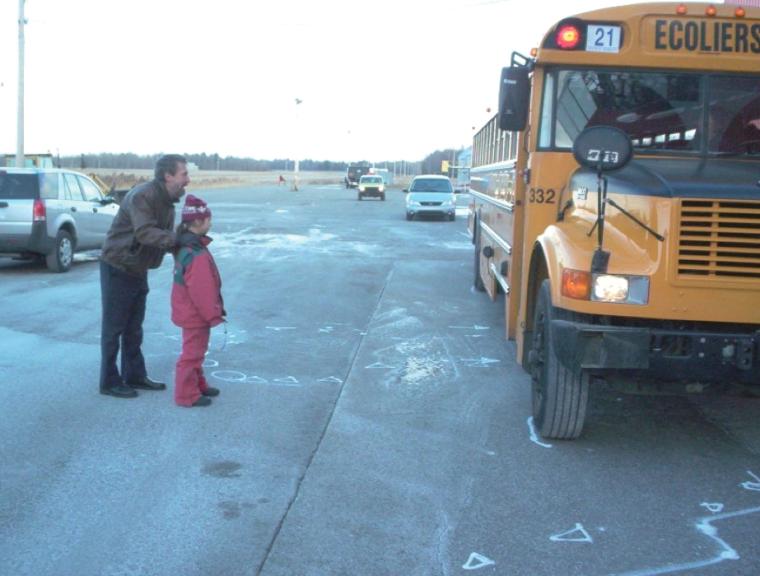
(602, 148)
(514, 96)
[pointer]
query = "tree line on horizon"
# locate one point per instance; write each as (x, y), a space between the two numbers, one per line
(431, 164)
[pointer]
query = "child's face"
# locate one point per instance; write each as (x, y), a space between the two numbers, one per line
(201, 227)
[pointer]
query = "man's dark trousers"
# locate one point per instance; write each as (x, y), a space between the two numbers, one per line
(123, 296)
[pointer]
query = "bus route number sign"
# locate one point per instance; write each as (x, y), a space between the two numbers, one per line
(602, 38)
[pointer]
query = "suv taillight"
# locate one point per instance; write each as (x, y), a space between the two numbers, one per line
(38, 211)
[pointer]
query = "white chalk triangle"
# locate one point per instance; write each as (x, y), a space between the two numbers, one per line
(476, 561)
(754, 486)
(287, 381)
(577, 534)
(256, 380)
(331, 379)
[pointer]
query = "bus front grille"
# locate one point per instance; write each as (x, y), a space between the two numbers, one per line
(719, 239)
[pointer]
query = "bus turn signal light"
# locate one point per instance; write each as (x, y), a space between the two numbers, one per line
(568, 37)
(576, 284)
(710, 10)
(740, 12)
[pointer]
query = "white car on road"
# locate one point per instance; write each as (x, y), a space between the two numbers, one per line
(430, 194)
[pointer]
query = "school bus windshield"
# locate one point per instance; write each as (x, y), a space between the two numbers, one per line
(660, 111)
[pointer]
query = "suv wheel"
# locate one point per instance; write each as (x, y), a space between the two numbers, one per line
(60, 259)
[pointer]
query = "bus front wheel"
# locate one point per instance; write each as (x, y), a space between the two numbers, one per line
(559, 394)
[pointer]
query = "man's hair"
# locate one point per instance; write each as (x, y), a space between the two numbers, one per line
(168, 164)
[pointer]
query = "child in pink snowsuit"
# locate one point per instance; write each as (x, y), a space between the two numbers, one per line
(196, 302)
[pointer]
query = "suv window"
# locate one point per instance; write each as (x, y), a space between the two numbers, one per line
(91, 191)
(49, 185)
(431, 185)
(72, 191)
(18, 186)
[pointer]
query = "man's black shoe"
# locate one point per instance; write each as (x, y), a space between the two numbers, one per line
(147, 384)
(211, 391)
(202, 401)
(119, 391)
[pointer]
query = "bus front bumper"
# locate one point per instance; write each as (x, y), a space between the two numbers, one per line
(709, 356)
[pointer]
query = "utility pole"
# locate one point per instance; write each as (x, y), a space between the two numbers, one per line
(298, 148)
(20, 109)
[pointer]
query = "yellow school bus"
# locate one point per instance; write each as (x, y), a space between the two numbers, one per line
(634, 257)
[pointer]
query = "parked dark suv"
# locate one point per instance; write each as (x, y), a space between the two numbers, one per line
(52, 213)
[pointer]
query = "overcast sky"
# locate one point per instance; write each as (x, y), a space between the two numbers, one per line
(378, 79)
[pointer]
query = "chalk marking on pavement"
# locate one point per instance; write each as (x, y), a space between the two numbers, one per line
(280, 328)
(229, 376)
(754, 486)
(379, 366)
(577, 534)
(704, 525)
(287, 381)
(534, 434)
(713, 507)
(256, 380)
(477, 561)
(481, 362)
(474, 327)
(331, 379)
(326, 329)
(450, 357)
(209, 363)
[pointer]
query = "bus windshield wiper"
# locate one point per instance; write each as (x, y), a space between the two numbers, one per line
(625, 212)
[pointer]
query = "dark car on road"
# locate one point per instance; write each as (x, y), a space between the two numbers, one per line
(354, 173)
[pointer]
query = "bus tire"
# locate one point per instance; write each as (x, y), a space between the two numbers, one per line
(559, 394)
(477, 280)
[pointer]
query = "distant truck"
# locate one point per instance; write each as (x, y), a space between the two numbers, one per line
(354, 172)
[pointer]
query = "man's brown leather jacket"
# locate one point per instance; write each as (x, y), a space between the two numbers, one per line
(142, 231)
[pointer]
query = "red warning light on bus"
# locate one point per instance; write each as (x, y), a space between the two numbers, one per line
(568, 37)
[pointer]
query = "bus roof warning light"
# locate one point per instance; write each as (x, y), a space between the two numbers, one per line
(568, 37)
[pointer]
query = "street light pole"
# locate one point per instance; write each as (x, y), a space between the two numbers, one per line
(297, 148)
(20, 109)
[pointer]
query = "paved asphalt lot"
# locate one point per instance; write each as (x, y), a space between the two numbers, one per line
(372, 421)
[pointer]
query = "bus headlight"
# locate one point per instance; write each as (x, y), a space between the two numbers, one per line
(620, 289)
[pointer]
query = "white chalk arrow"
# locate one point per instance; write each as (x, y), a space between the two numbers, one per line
(577, 534)
(379, 366)
(476, 561)
(332, 379)
(754, 486)
(289, 381)
(713, 507)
